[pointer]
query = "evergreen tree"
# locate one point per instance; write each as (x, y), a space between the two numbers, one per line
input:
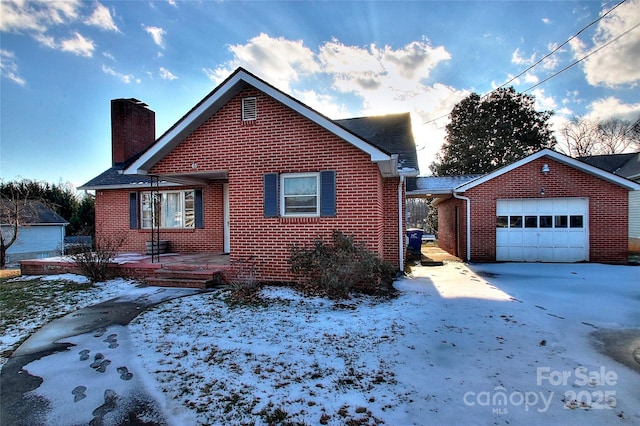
(487, 133)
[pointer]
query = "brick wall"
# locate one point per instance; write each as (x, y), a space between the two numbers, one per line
(279, 141)
(608, 209)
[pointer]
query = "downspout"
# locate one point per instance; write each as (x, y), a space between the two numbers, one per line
(400, 222)
(468, 216)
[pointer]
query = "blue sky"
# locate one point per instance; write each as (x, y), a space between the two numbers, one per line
(62, 63)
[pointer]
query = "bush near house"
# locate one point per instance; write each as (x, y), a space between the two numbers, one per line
(337, 268)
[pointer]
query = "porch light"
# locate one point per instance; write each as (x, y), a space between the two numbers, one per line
(545, 169)
(542, 191)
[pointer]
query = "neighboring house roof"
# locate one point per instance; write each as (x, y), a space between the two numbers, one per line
(235, 83)
(626, 165)
(34, 212)
(458, 184)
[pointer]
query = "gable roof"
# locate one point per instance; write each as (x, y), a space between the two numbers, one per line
(34, 212)
(447, 185)
(625, 165)
(215, 100)
(561, 158)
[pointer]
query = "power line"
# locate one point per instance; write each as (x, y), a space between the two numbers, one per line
(583, 58)
(551, 53)
(557, 48)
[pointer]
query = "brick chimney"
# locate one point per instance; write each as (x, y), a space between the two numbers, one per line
(133, 129)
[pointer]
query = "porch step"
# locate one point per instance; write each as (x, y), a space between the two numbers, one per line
(177, 282)
(193, 278)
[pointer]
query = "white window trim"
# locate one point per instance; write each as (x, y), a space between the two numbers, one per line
(182, 207)
(282, 196)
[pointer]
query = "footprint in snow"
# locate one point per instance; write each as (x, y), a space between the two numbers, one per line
(96, 360)
(84, 354)
(78, 393)
(99, 332)
(110, 398)
(124, 373)
(112, 340)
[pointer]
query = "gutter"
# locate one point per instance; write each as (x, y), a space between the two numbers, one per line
(468, 209)
(400, 223)
(402, 174)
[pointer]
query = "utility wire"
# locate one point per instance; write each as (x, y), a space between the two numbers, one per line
(549, 54)
(556, 49)
(583, 58)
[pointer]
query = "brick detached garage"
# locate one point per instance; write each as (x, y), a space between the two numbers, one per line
(251, 171)
(546, 207)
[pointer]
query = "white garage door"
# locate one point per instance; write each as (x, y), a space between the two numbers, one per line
(542, 230)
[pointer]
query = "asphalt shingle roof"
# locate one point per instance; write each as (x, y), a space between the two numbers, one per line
(34, 212)
(390, 133)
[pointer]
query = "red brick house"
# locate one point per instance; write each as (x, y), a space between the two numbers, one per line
(546, 207)
(250, 171)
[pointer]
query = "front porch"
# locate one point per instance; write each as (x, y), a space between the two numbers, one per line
(194, 270)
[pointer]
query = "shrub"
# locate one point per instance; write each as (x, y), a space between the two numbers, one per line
(94, 264)
(242, 279)
(335, 269)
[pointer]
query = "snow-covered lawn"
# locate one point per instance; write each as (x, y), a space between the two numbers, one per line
(485, 344)
(51, 297)
(479, 344)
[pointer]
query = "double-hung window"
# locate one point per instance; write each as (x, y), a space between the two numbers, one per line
(300, 194)
(174, 209)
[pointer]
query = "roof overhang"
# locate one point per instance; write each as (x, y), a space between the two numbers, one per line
(223, 94)
(556, 156)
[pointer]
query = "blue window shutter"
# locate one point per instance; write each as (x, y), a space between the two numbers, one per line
(199, 208)
(328, 193)
(271, 195)
(133, 210)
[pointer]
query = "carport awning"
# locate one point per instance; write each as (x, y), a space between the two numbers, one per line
(439, 186)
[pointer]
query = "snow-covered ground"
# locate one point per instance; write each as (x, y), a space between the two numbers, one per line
(479, 344)
(489, 344)
(64, 302)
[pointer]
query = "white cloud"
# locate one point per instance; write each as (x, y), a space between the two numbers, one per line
(78, 45)
(280, 61)
(619, 62)
(9, 68)
(544, 102)
(546, 21)
(157, 34)
(531, 78)
(101, 18)
(165, 74)
(611, 107)
(325, 104)
(518, 59)
(20, 15)
(125, 78)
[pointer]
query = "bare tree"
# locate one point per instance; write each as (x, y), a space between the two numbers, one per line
(584, 137)
(580, 137)
(617, 135)
(13, 209)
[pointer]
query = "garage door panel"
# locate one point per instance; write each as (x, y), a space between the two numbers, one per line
(543, 230)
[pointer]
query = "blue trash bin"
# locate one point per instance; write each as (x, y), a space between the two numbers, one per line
(415, 239)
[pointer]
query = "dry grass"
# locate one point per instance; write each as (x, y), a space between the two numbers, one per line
(9, 273)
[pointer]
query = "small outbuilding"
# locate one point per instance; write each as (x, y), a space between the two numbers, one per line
(41, 231)
(546, 207)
